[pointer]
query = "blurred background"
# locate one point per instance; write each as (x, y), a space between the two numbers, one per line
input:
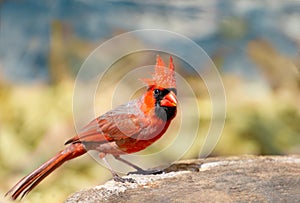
(254, 44)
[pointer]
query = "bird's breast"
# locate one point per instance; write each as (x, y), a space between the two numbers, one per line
(145, 138)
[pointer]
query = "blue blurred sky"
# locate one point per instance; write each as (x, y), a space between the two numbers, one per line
(25, 28)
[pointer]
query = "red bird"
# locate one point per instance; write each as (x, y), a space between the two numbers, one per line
(126, 129)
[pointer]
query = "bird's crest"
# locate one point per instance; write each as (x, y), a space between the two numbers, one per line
(163, 76)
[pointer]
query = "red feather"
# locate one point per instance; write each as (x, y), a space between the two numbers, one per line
(163, 76)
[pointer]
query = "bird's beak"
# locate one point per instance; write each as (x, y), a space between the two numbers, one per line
(169, 100)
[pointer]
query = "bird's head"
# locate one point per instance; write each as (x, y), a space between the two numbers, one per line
(161, 92)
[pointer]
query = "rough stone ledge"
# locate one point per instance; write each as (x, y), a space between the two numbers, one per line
(220, 179)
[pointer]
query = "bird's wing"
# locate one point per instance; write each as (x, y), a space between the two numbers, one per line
(123, 122)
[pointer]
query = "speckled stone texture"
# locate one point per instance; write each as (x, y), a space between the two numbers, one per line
(221, 179)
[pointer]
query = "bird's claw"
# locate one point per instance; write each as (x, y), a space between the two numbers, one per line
(123, 180)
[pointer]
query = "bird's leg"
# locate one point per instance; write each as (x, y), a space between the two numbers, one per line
(139, 170)
(116, 177)
(129, 163)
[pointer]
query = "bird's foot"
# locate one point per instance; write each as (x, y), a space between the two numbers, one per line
(123, 180)
(146, 172)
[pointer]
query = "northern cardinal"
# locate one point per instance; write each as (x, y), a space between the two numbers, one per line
(126, 129)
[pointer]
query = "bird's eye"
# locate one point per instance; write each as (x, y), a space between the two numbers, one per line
(156, 92)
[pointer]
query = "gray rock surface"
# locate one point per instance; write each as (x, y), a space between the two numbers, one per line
(222, 179)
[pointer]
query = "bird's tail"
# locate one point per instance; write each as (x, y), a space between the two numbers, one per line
(26, 184)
